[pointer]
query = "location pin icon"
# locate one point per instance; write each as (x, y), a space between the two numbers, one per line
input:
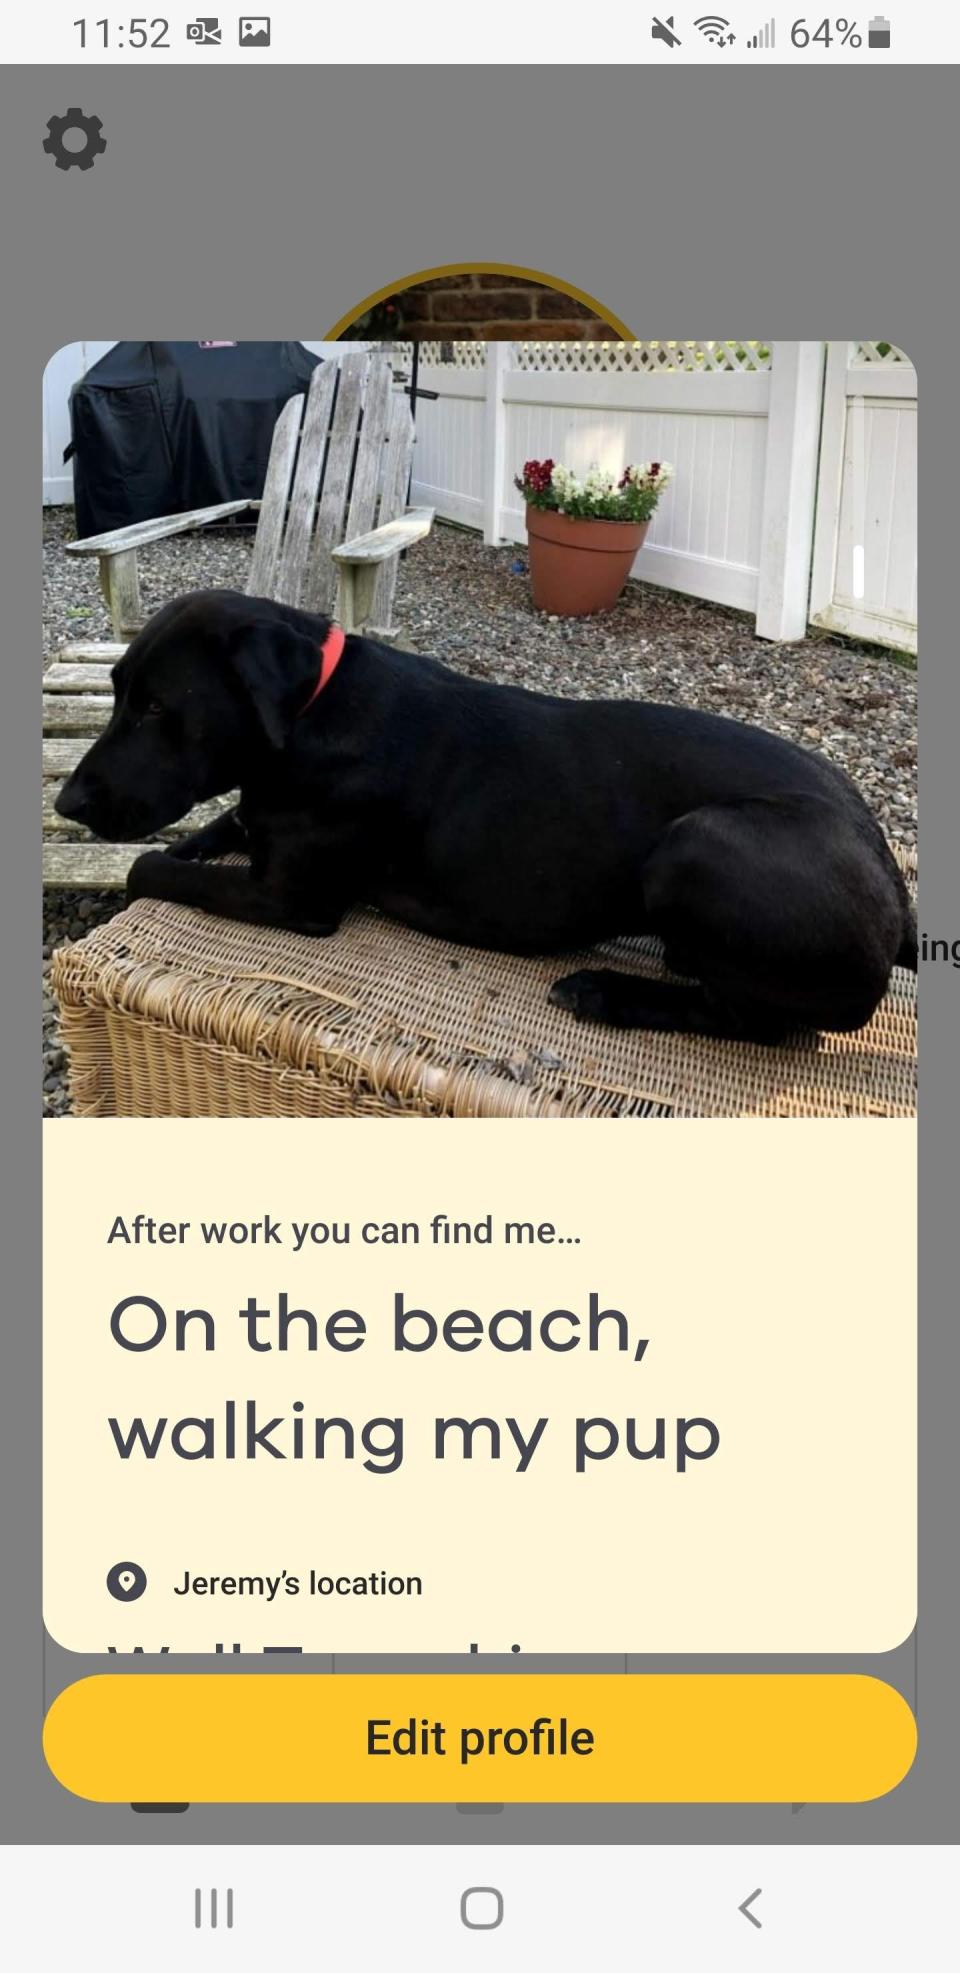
(126, 1581)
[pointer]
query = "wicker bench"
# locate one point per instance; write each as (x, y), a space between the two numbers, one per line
(167, 1012)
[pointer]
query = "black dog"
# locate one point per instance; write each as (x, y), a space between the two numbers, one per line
(497, 817)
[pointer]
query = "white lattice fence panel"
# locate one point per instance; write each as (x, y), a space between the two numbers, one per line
(450, 355)
(876, 354)
(585, 359)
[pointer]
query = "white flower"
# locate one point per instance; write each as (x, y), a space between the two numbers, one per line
(565, 484)
(599, 484)
(643, 475)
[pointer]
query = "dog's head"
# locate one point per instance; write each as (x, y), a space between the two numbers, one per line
(209, 684)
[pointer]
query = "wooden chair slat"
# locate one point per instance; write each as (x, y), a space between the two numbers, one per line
(331, 510)
(393, 500)
(273, 512)
(369, 463)
(308, 479)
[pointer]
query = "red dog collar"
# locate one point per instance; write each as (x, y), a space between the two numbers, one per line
(331, 652)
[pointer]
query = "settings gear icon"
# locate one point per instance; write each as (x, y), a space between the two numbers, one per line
(85, 155)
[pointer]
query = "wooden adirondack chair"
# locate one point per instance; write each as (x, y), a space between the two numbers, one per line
(333, 521)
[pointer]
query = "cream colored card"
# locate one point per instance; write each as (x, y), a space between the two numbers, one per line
(730, 1469)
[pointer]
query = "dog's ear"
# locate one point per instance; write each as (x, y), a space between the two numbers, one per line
(273, 664)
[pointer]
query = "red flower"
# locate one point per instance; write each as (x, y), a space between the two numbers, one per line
(538, 472)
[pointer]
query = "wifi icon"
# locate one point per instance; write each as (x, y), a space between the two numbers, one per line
(714, 28)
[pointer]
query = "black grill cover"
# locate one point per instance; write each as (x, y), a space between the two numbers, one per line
(159, 428)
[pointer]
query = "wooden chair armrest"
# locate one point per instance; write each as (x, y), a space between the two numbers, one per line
(120, 541)
(390, 539)
(358, 562)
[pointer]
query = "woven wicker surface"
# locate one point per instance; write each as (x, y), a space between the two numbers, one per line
(169, 1012)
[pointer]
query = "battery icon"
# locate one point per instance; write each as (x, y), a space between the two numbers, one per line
(878, 32)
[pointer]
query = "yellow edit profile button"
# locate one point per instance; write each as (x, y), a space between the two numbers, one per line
(519, 1737)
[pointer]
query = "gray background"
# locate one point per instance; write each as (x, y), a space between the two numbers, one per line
(266, 203)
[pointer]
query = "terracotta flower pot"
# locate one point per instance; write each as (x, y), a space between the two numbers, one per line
(579, 567)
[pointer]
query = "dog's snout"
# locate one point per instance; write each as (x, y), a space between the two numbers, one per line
(73, 799)
(96, 798)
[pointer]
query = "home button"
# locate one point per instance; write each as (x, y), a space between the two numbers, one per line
(481, 1908)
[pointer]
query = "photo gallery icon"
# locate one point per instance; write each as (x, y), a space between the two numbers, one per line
(255, 31)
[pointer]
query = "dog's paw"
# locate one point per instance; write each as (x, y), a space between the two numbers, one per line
(586, 995)
(142, 877)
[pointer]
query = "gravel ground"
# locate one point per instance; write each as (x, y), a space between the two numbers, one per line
(471, 606)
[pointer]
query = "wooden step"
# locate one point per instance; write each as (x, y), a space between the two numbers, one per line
(92, 654)
(60, 757)
(76, 712)
(89, 866)
(78, 677)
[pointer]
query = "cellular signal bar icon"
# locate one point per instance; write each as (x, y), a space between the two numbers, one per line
(765, 37)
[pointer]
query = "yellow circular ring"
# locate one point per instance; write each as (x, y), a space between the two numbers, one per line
(481, 267)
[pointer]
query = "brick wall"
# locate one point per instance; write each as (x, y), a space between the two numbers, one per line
(482, 307)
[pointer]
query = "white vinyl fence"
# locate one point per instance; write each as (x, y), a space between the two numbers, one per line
(864, 578)
(706, 537)
(757, 432)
